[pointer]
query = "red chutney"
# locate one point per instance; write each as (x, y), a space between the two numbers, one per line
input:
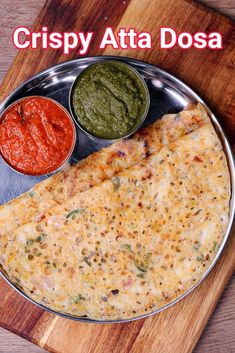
(36, 135)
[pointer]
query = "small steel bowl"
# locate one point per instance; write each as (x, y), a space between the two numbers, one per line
(65, 161)
(142, 118)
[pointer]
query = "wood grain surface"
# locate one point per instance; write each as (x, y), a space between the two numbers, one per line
(225, 7)
(49, 331)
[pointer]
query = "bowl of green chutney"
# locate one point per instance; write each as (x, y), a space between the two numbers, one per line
(109, 100)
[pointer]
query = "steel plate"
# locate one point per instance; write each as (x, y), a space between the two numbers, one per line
(167, 95)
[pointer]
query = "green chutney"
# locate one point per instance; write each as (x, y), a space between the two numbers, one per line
(109, 100)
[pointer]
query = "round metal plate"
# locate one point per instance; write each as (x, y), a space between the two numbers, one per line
(167, 95)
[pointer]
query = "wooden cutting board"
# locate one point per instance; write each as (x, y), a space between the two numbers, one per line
(211, 74)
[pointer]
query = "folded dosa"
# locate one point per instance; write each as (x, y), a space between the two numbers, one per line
(98, 167)
(130, 244)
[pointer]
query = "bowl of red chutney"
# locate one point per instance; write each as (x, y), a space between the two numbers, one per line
(37, 135)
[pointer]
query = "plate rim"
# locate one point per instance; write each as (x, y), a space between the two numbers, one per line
(231, 165)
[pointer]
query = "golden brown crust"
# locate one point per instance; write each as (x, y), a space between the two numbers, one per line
(97, 167)
(133, 243)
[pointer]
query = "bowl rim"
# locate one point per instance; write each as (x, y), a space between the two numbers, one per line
(75, 137)
(143, 117)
